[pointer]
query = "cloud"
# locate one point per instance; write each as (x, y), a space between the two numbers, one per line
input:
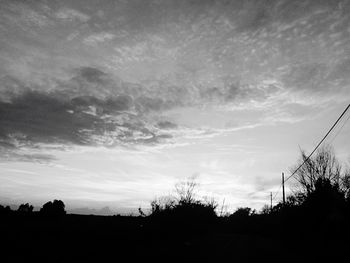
(30, 117)
(263, 185)
(224, 55)
(24, 16)
(91, 74)
(94, 107)
(9, 152)
(39, 117)
(71, 15)
(166, 125)
(97, 38)
(160, 95)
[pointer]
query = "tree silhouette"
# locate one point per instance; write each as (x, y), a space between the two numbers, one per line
(324, 165)
(326, 198)
(25, 208)
(55, 208)
(242, 212)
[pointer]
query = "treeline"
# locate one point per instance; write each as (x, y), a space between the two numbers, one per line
(51, 208)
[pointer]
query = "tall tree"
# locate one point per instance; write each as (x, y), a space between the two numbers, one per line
(324, 165)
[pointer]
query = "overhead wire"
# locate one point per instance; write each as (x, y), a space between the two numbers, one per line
(340, 129)
(318, 145)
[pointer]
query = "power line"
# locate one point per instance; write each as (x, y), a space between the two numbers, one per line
(319, 143)
(334, 125)
(335, 136)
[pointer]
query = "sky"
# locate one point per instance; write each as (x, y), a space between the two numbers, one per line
(107, 104)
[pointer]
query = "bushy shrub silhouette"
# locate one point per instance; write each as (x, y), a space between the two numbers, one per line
(326, 198)
(242, 217)
(191, 212)
(184, 207)
(242, 212)
(196, 211)
(55, 208)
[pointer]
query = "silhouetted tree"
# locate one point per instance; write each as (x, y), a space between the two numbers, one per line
(243, 212)
(324, 165)
(345, 184)
(55, 208)
(25, 208)
(326, 198)
(295, 200)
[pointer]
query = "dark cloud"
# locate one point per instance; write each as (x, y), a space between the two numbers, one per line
(166, 125)
(37, 117)
(32, 115)
(93, 75)
(40, 117)
(93, 107)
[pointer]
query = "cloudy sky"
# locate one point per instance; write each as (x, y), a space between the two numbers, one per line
(109, 103)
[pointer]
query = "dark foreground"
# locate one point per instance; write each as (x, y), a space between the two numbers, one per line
(78, 238)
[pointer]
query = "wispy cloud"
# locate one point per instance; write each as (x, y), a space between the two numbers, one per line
(23, 16)
(24, 155)
(71, 15)
(97, 38)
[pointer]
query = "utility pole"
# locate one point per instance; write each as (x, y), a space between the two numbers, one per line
(284, 197)
(270, 200)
